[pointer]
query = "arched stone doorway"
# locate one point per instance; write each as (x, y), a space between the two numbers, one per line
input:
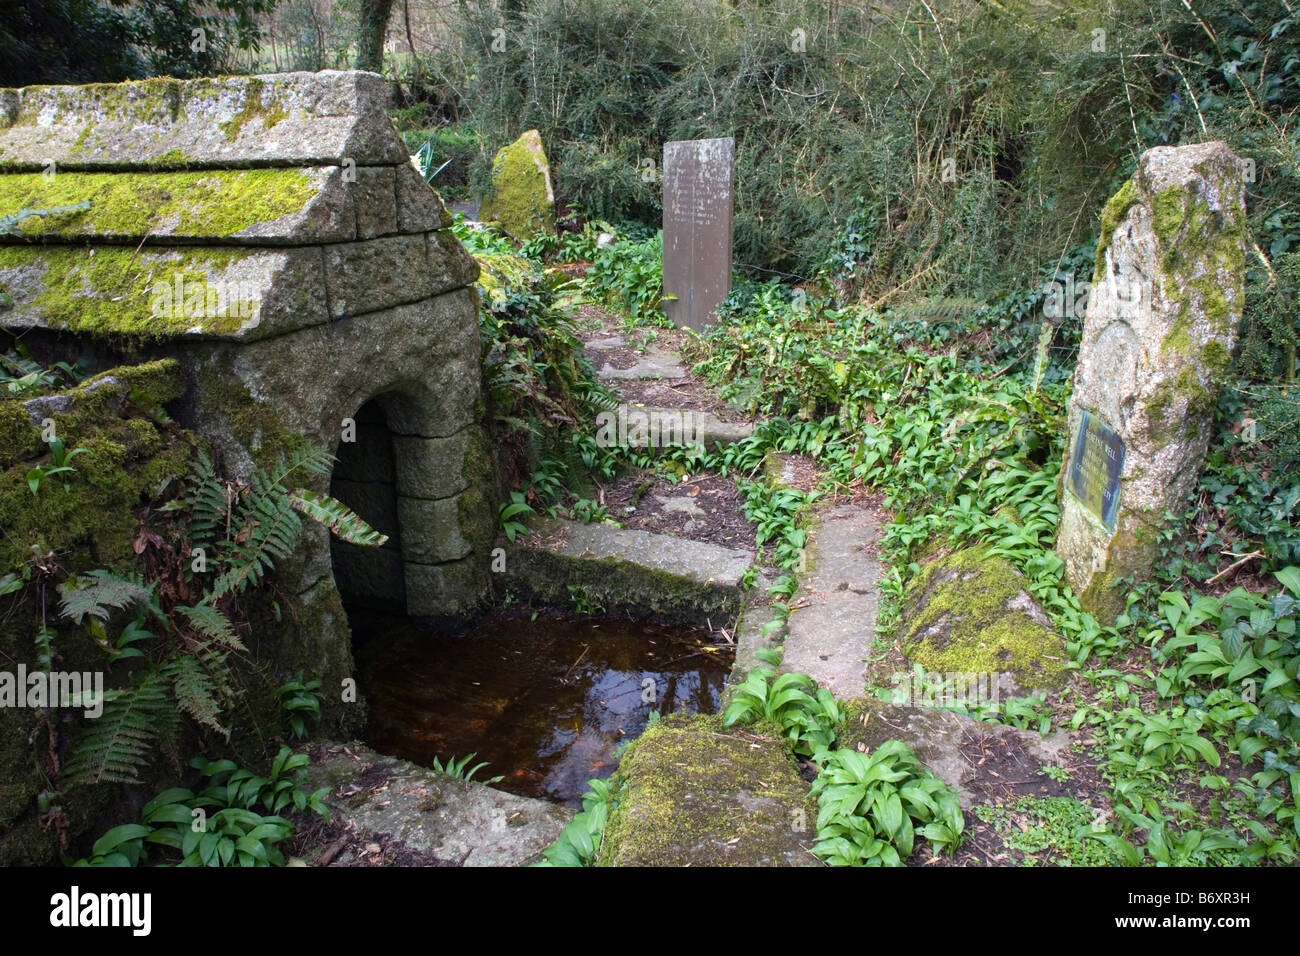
(365, 479)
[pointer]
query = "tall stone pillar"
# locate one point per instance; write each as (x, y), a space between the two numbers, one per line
(1162, 319)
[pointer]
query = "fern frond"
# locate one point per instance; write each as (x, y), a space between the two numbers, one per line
(195, 691)
(311, 458)
(336, 516)
(209, 503)
(272, 528)
(118, 743)
(213, 624)
(100, 591)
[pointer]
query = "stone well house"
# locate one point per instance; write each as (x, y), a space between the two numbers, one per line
(271, 234)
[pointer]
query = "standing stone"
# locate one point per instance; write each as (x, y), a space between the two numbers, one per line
(1162, 319)
(697, 228)
(523, 200)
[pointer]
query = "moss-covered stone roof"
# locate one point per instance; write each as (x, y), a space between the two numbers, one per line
(284, 119)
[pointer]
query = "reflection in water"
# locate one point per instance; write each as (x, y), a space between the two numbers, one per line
(545, 702)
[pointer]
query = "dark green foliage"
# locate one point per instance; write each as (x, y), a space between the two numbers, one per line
(238, 532)
(85, 41)
(219, 826)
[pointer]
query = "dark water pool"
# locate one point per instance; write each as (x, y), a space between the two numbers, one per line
(546, 703)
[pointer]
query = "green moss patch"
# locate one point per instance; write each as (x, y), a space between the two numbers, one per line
(128, 460)
(687, 793)
(1111, 216)
(969, 612)
(110, 290)
(519, 199)
(209, 204)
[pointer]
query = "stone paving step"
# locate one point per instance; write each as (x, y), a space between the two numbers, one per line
(654, 363)
(830, 638)
(454, 819)
(691, 794)
(677, 580)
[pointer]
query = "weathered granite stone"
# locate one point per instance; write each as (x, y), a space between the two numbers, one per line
(450, 265)
(970, 613)
(247, 227)
(433, 526)
(435, 467)
(461, 822)
(303, 206)
(419, 207)
(203, 292)
(376, 274)
(376, 201)
(452, 589)
(283, 119)
(523, 199)
(1162, 321)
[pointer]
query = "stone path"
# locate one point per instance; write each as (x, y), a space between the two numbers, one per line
(831, 636)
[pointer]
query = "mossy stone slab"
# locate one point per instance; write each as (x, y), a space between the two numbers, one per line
(971, 613)
(690, 794)
(193, 292)
(284, 119)
(225, 206)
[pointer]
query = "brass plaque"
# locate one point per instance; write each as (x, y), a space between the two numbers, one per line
(698, 210)
(1096, 466)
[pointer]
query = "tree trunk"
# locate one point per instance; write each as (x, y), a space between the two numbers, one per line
(374, 26)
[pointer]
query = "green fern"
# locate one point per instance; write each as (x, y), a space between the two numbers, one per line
(272, 529)
(208, 503)
(214, 625)
(247, 528)
(118, 743)
(336, 516)
(98, 592)
(195, 691)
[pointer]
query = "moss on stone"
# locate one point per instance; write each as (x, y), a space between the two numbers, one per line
(969, 612)
(520, 200)
(128, 461)
(109, 290)
(214, 203)
(253, 424)
(19, 438)
(255, 107)
(1111, 216)
(687, 792)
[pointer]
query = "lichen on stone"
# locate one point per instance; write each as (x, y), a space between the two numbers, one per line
(255, 107)
(970, 612)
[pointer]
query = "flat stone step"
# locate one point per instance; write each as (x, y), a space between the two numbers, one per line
(690, 794)
(662, 426)
(675, 580)
(463, 822)
(830, 638)
(653, 365)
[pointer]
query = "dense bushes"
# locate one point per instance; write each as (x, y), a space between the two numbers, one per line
(962, 150)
